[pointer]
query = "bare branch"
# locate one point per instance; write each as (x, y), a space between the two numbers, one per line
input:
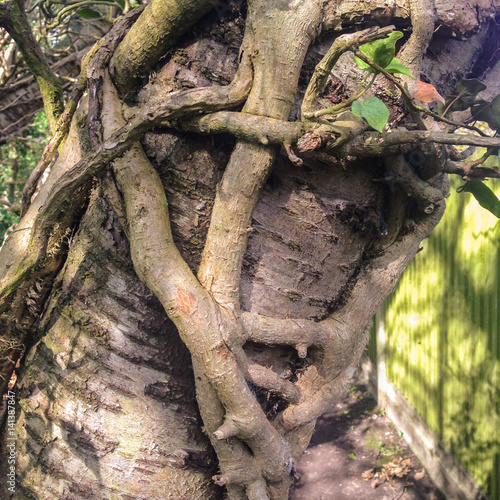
(270, 380)
(342, 138)
(158, 28)
(258, 129)
(423, 15)
(15, 21)
(471, 172)
(374, 144)
(200, 323)
(297, 333)
(426, 195)
(319, 402)
(235, 459)
(271, 95)
(110, 41)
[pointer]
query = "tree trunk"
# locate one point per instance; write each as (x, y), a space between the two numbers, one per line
(268, 269)
(107, 401)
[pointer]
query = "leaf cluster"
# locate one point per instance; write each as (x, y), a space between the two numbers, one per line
(381, 52)
(467, 97)
(17, 160)
(375, 112)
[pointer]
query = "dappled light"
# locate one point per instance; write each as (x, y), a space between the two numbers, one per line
(443, 348)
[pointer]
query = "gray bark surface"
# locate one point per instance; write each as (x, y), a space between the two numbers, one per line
(107, 403)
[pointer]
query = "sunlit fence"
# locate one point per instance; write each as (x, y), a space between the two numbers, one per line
(442, 337)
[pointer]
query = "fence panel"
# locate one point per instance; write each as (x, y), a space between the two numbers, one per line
(442, 347)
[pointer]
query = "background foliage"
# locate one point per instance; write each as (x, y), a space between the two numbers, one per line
(18, 157)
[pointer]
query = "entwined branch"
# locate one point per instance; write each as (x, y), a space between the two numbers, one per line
(322, 71)
(112, 39)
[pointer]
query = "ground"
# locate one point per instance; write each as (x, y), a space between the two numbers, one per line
(346, 457)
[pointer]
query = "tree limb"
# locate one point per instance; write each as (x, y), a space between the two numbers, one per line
(425, 194)
(272, 95)
(374, 144)
(471, 172)
(111, 40)
(322, 71)
(15, 21)
(423, 15)
(157, 29)
(297, 333)
(202, 325)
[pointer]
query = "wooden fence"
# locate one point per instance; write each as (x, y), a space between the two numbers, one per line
(436, 343)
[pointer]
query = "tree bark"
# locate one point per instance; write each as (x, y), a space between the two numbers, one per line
(107, 403)
(149, 237)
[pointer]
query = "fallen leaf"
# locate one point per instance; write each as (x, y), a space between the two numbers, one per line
(397, 467)
(419, 475)
(367, 475)
(427, 93)
(374, 483)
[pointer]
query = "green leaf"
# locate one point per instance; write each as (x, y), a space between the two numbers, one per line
(380, 52)
(352, 455)
(485, 196)
(395, 66)
(466, 98)
(357, 109)
(470, 87)
(373, 111)
(459, 104)
(89, 14)
(488, 112)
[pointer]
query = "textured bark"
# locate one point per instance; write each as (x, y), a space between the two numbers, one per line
(107, 402)
(152, 35)
(268, 271)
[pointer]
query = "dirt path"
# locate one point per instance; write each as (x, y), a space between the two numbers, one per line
(356, 441)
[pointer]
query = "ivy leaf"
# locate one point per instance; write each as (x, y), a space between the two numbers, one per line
(455, 103)
(466, 98)
(380, 52)
(373, 111)
(485, 196)
(89, 14)
(488, 112)
(470, 87)
(427, 93)
(395, 66)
